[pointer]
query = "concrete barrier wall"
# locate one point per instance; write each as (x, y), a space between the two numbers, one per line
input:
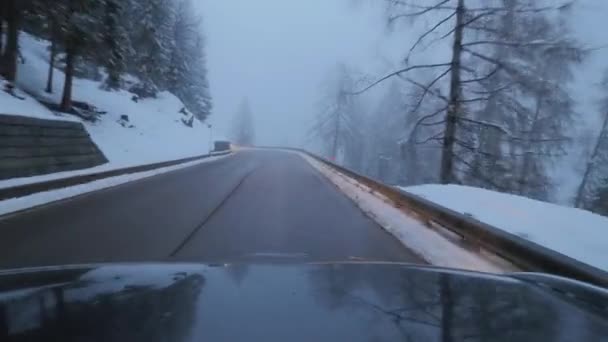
(30, 146)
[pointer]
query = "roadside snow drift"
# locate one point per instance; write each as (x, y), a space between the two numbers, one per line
(576, 233)
(130, 133)
(425, 242)
(17, 204)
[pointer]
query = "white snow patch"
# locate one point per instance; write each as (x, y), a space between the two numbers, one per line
(157, 133)
(576, 233)
(427, 243)
(26, 202)
(21, 102)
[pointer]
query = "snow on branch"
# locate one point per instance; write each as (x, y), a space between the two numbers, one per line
(487, 124)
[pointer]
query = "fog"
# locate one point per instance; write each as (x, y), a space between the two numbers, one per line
(276, 52)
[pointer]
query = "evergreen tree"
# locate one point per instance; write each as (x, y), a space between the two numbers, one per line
(150, 27)
(78, 33)
(114, 42)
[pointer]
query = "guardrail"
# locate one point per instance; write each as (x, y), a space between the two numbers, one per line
(28, 189)
(522, 253)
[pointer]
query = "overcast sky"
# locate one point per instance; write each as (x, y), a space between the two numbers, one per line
(276, 52)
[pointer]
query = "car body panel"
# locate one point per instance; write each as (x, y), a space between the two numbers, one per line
(285, 302)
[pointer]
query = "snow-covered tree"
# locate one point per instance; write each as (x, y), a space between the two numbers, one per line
(149, 26)
(114, 42)
(186, 75)
(243, 131)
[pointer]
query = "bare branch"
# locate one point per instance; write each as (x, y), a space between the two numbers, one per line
(421, 86)
(421, 12)
(424, 118)
(465, 24)
(512, 44)
(476, 99)
(492, 91)
(521, 10)
(399, 72)
(438, 137)
(428, 87)
(425, 34)
(484, 77)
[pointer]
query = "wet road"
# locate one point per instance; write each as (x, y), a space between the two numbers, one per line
(255, 204)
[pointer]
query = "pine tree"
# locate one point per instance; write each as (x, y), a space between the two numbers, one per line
(79, 34)
(187, 71)
(150, 27)
(114, 43)
(12, 15)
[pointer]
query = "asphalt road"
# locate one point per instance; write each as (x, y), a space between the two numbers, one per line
(256, 204)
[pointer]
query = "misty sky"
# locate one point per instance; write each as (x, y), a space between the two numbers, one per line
(276, 53)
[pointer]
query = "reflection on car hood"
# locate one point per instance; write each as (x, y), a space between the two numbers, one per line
(319, 302)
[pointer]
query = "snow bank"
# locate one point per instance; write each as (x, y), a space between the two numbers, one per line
(21, 102)
(577, 233)
(154, 131)
(37, 199)
(425, 242)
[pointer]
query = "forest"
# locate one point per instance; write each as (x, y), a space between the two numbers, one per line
(159, 42)
(496, 112)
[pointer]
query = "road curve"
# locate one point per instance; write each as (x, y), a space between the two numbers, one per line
(256, 204)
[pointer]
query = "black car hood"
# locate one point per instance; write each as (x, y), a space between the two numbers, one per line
(318, 302)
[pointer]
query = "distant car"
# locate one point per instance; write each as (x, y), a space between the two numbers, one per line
(221, 146)
(308, 302)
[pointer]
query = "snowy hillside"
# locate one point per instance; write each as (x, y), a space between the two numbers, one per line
(154, 131)
(577, 233)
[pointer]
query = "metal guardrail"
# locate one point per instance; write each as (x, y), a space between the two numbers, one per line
(522, 253)
(28, 189)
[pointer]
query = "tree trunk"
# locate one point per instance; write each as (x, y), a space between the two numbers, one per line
(1, 26)
(9, 59)
(66, 100)
(49, 82)
(447, 156)
(527, 155)
(588, 168)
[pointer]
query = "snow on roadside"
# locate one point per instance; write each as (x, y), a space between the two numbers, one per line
(427, 243)
(153, 133)
(21, 102)
(576, 233)
(26, 202)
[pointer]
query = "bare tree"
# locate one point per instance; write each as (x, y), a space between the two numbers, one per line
(496, 56)
(338, 124)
